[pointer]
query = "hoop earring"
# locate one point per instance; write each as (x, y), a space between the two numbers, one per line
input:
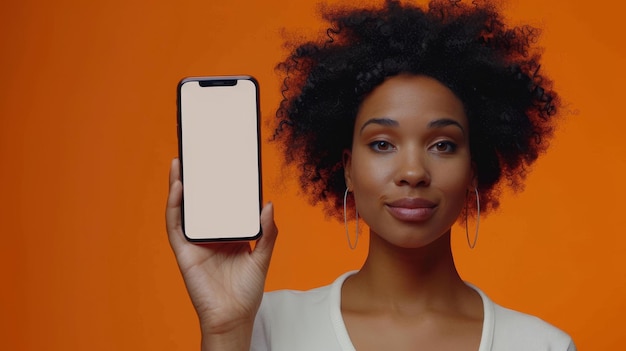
(473, 244)
(345, 222)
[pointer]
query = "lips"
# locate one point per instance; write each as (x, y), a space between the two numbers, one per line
(411, 209)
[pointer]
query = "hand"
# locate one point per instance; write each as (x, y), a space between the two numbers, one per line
(225, 280)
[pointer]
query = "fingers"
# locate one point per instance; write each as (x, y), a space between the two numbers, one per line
(174, 170)
(174, 198)
(264, 246)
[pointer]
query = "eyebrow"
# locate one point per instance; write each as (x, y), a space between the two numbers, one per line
(444, 122)
(380, 121)
(437, 123)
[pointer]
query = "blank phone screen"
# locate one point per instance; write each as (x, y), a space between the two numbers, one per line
(219, 150)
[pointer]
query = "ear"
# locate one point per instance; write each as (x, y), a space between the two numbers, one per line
(347, 167)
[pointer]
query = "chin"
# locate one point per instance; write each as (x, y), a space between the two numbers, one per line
(414, 240)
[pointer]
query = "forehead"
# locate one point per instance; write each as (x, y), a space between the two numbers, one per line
(411, 98)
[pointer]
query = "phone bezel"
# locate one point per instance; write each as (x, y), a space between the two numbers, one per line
(212, 80)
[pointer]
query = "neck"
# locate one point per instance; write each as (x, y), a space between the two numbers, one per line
(399, 276)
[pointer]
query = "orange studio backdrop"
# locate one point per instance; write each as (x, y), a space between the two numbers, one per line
(87, 132)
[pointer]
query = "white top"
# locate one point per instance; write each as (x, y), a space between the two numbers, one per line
(291, 320)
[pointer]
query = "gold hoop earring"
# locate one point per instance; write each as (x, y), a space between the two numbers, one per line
(473, 244)
(345, 222)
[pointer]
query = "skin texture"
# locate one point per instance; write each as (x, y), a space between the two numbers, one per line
(411, 140)
(424, 154)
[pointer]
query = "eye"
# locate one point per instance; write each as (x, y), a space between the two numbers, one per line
(444, 147)
(381, 146)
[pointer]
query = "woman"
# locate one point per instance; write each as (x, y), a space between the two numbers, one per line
(409, 119)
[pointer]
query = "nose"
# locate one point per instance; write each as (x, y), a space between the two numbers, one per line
(412, 169)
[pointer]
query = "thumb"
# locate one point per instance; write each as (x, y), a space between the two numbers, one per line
(265, 245)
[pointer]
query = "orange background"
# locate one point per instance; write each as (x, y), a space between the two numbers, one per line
(87, 132)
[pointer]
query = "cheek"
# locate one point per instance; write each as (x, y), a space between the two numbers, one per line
(451, 173)
(370, 173)
(454, 182)
(458, 172)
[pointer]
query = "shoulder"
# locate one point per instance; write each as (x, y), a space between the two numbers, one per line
(513, 330)
(300, 320)
(282, 304)
(516, 327)
(294, 301)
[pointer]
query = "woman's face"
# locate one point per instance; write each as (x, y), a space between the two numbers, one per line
(410, 166)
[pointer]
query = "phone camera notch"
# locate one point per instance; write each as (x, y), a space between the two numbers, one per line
(218, 83)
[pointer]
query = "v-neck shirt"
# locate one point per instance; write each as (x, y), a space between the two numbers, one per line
(291, 320)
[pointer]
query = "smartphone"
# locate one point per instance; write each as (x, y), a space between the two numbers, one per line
(220, 158)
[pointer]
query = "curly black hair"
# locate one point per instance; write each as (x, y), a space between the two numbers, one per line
(493, 70)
